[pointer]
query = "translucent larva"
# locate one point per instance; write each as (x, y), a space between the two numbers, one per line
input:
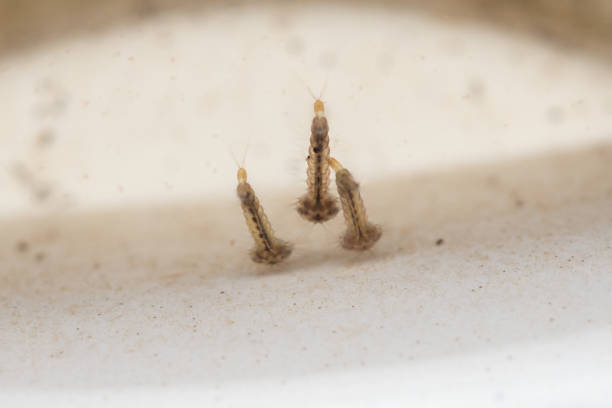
(360, 234)
(268, 249)
(317, 205)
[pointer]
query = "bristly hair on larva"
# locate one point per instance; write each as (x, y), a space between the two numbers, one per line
(318, 205)
(360, 234)
(268, 248)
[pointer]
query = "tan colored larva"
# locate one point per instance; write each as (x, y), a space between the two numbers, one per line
(360, 234)
(317, 205)
(268, 249)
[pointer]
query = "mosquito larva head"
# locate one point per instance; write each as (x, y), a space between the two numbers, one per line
(242, 175)
(319, 108)
(335, 164)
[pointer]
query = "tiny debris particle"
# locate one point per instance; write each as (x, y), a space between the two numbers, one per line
(40, 256)
(222, 292)
(22, 246)
(439, 242)
(42, 193)
(45, 138)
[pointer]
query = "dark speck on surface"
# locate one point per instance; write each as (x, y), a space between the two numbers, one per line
(22, 246)
(45, 138)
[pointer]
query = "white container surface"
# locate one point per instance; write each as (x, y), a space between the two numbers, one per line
(485, 157)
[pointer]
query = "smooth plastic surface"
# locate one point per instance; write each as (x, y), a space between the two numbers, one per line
(125, 275)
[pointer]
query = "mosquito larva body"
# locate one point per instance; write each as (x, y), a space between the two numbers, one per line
(268, 249)
(360, 234)
(317, 205)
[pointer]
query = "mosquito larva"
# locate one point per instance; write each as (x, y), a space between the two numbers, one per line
(360, 234)
(268, 249)
(317, 205)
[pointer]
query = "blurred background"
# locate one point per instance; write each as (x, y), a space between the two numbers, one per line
(583, 24)
(480, 131)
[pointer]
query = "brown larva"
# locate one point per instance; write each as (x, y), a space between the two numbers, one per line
(317, 205)
(360, 234)
(268, 249)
